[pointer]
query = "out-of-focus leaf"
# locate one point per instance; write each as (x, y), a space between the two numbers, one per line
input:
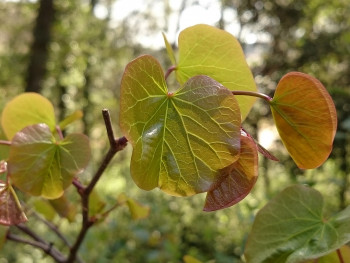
(306, 119)
(180, 139)
(206, 50)
(44, 208)
(333, 257)
(64, 207)
(240, 178)
(39, 165)
(137, 210)
(190, 259)
(96, 204)
(71, 118)
(11, 212)
(169, 50)
(291, 228)
(3, 233)
(24, 110)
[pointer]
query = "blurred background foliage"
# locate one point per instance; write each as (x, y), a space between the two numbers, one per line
(74, 53)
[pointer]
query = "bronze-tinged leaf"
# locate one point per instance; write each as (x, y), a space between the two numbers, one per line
(180, 140)
(306, 119)
(266, 153)
(11, 212)
(239, 181)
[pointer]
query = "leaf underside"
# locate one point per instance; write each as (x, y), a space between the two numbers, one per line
(239, 180)
(305, 118)
(291, 228)
(11, 212)
(180, 140)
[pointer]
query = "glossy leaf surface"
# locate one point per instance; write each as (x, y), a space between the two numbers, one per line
(24, 110)
(291, 228)
(240, 178)
(206, 50)
(39, 165)
(180, 140)
(306, 119)
(11, 212)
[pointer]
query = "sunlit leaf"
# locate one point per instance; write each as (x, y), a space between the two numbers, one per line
(240, 178)
(333, 257)
(71, 118)
(305, 117)
(169, 50)
(180, 139)
(26, 109)
(291, 228)
(3, 233)
(11, 212)
(190, 259)
(39, 165)
(206, 50)
(137, 210)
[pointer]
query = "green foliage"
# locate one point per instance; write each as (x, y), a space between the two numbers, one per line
(291, 228)
(206, 50)
(181, 139)
(24, 110)
(34, 151)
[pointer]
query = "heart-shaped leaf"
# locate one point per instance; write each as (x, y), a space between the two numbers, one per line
(11, 212)
(306, 119)
(240, 178)
(24, 110)
(39, 165)
(206, 50)
(291, 228)
(180, 139)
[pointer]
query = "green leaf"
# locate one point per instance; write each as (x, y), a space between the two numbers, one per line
(11, 212)
(71, 118)
(137, 210)
(190, 259)
(64, 207)
(306, 119)
(180, 140)
(96, 204)
(40, 166)
(44, 208)
(24, 110)
(291, 228)
(169, 50)
(206, 50)
(239, 180)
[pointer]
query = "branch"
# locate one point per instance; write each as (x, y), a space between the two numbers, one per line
(3, 142)
(253, 94)
(115, 146)
(46, 247)
(340, 256)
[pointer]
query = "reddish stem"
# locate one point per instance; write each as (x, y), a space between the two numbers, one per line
(253, 94)
(340, 256)
(3, 142)
(171, 69)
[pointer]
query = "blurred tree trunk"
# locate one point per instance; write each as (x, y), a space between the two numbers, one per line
(39, 50)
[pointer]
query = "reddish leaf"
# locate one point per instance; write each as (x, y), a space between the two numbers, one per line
(305, 117)
(10, 209)
(240, 178)
(266, 153)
